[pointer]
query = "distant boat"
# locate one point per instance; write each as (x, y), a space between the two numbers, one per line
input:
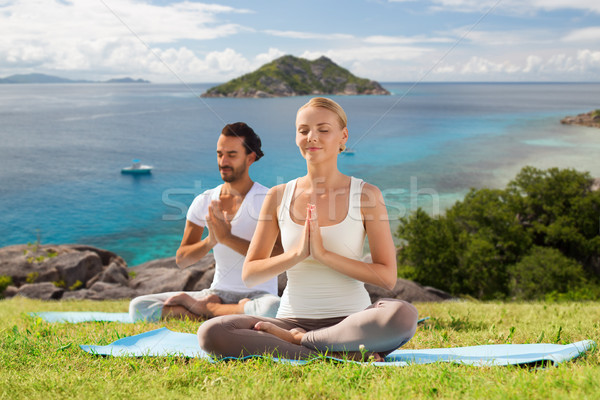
(137, 168)
(348, 151)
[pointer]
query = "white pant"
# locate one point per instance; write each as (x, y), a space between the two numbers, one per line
(149, 307)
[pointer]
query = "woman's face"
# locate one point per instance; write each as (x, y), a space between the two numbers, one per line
(319, 134)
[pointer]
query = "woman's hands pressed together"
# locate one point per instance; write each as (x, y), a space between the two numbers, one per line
(311, 243)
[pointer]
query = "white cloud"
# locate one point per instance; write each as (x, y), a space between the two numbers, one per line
(380, 39)
(532, 64)
(562, 66)
(591, 34)
(515, 6)
(479, 65)
(372, 53)
(108, 35)
(217, 66)
(308, 35)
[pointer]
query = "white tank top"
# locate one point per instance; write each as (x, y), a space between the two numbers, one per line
(314, 290)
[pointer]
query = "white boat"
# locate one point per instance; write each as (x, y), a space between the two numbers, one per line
(137, 168)
(348, 151)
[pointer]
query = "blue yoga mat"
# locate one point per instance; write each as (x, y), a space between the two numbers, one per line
(163, 342)
(82, 316)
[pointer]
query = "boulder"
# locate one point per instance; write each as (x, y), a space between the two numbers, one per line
(205, 281)
(104, 275)
(114, 273)
(42, 291)
(10, 291)
(413, 292)
(102, 291)
(76, 268)
(281, 283)
(164, 275)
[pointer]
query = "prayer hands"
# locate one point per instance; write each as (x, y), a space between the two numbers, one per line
(219, 226)
(317, 250)
(311, 242)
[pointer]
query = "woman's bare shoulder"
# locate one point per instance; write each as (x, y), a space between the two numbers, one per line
(370, 191)
(275, 194)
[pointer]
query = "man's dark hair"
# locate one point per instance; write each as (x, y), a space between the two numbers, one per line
(251, 139)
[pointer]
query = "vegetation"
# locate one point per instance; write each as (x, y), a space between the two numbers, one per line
(289, 75)
(540, 235)
(41, 360)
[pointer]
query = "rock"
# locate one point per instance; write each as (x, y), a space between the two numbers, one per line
(413, 292)
(205, 281)
(165, 276)
(42, 291)
(376, 292)
(591, 119)
(104, 275)
(281, 283)
(76, 268)
(10, 291)
(102, 291)
(114, 273)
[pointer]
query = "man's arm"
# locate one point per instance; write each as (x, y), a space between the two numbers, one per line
(192, 247)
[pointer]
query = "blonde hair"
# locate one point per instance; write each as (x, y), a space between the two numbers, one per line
(330, 105)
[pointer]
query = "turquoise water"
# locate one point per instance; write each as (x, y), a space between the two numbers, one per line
(62, 148)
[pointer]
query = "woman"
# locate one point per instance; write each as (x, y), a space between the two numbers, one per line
(322, 218)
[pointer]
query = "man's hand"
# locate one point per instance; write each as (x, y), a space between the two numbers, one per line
(219, 227)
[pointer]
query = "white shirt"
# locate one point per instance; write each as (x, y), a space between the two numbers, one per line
(229, 263)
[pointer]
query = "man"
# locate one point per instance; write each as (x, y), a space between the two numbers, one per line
(230, 212)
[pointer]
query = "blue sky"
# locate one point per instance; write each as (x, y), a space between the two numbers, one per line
(385, 40)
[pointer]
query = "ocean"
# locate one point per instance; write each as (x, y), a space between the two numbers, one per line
(62, 148)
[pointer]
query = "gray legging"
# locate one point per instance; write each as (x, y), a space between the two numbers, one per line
(382, 327)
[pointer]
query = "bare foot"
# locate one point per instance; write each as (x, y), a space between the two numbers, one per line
(293, 335)
(180, 299)
(199, 307)
(243, 301)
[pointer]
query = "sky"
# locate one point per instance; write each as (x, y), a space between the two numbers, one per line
(385, 40)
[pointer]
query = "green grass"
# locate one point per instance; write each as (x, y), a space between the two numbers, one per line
(42, 360)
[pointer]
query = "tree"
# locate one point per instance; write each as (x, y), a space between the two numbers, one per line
(560, 210)
(542, 271)
(473, 248)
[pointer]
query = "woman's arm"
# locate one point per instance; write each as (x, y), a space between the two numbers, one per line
(383, 270)
(259, 266)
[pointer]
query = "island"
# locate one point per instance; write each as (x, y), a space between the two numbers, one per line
(294, 76)
(591, 119)
(43, 78)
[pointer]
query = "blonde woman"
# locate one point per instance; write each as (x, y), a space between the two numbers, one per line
(323, 218)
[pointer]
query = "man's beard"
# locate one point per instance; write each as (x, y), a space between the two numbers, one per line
(234, 174)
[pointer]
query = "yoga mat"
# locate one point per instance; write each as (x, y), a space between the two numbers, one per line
(82, 316)
(163, 342)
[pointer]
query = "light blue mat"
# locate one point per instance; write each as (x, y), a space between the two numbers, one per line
(82, 316)
(163, 342)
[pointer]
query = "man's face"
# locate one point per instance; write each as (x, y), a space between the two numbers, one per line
(232, 158)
